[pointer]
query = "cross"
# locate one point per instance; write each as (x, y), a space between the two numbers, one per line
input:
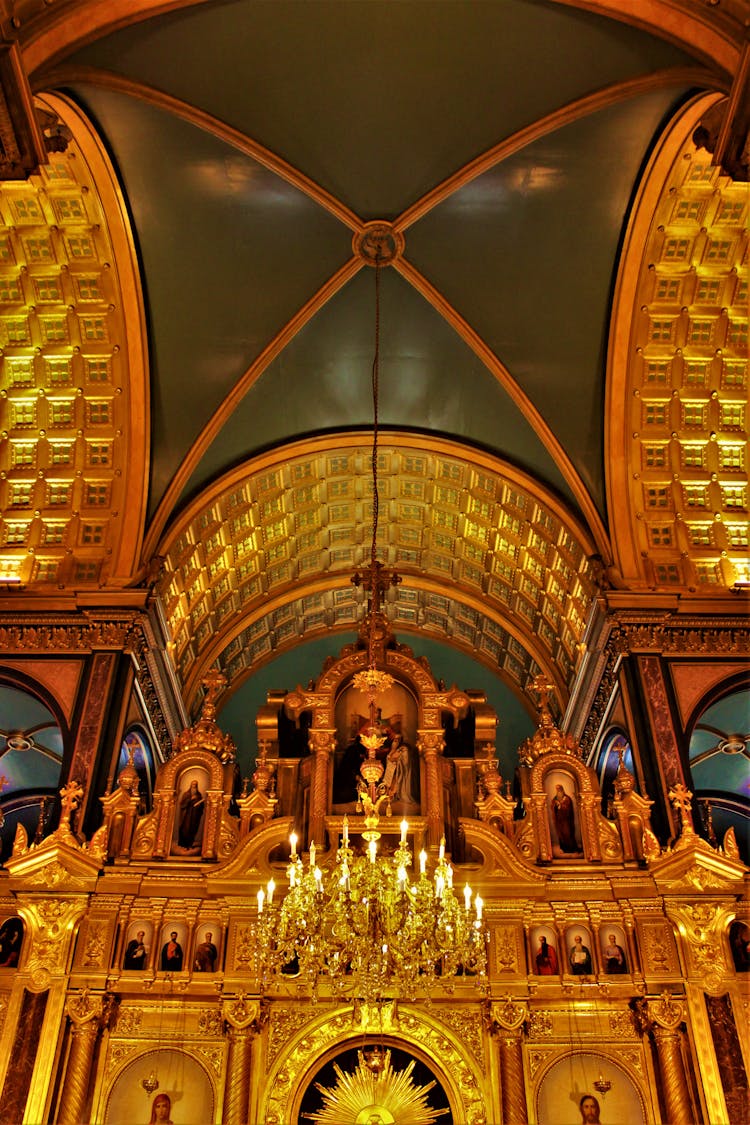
(376, 584)
(71, 795)
(680, 798)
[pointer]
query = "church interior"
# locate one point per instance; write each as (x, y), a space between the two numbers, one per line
(374, 640)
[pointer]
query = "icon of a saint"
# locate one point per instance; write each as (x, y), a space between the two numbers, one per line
(205, 955)
(136, 953)
(580, 958)
(161, 1110)
(615, 960)
(589, 1107)
(191, 814)
(171, 954)
(563, 817)
(546, 958)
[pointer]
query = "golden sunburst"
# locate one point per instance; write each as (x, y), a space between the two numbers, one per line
(382, 1097)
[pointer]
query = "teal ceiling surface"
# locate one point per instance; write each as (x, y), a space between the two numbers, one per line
(221, 245)
(429, 380)
(378, 101)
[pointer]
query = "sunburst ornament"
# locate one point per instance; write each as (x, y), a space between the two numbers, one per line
(375, 1097)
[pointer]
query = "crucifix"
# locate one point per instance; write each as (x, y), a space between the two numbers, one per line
(376, 578)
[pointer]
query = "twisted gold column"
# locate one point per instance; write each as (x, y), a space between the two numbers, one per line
(674, 1079)
(243, 1019)
(511, 1077)
(237, 1089)
(507, 1020)
(663, 1018)
(84, 1013)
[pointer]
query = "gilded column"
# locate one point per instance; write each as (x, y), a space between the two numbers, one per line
(666, 1015)
(322, 744)
(85, 1013)
(430, 743)
(507, 1020)
(242, 1020)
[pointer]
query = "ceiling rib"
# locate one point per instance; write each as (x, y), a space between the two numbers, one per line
(565, 115)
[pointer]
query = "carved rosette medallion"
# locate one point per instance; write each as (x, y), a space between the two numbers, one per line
(378, 244)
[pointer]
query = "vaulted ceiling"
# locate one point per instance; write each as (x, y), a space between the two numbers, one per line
(187, 306)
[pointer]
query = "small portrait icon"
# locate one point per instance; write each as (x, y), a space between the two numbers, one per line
(136, 952)
(579, 956)
(192, 803)
(615, 960)
(171, 954)
(563, 819)
(206, 954)
(546, 958)
(11, 940)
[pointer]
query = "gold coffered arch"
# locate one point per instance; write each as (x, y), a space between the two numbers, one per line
(489, 560)
(74, 401)
(677, 406)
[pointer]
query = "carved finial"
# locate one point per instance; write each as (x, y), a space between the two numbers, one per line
(72, 795)
(548, 738)
(681, 798)
(205, 733)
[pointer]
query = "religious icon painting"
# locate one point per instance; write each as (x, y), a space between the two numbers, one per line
(588, 1089)
(613, 945)
(11, 940)
(579, 959)
(172, 948)
(139, 940)
(184, 1094)
(207, 948)
(190, 805)
(739, 941)
(545, 961)
(563, 814)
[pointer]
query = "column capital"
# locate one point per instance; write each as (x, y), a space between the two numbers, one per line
(666, 1012)
(244, 1014)
(506, 1015)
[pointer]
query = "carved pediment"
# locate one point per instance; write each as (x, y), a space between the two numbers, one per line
(54, 864)
(693, 865)
(501, 860)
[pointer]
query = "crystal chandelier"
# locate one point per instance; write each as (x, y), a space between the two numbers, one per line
(375, 927)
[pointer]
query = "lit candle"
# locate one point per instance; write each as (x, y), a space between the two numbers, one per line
(441, 854)
(402, 877)
(478, 904)
(270, 887)
(467, 896)
(293, 842)
(312, 856)
(372, 848)
(261, 899)
(449, 875)
(439, 886)
(318, 876)
(346, 831)
(404, 830)
(422, 862)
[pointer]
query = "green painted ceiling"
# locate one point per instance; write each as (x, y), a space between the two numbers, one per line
(377, 102)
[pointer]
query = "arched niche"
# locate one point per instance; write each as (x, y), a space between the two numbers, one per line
(323, 716)
(561, 1086)
(444, 1051)
(182, 1078)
